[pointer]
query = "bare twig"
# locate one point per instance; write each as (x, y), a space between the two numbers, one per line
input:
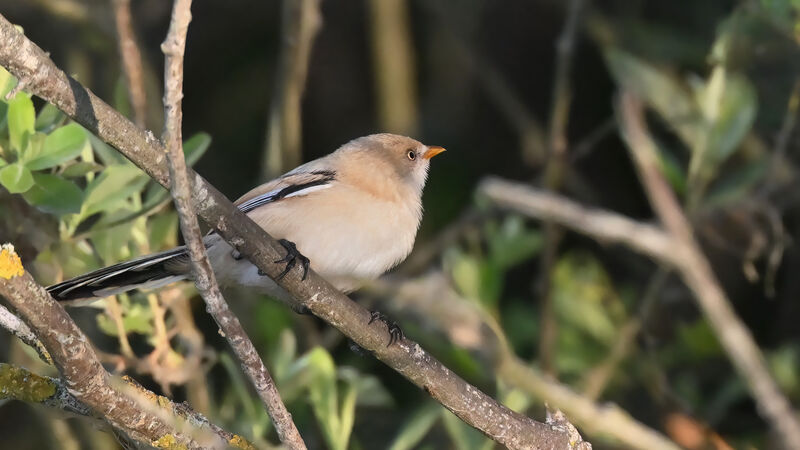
(27, 61)
(553, 179)
(18, 328)
(393, 64)
(83, 375)
(131, 60)
(605, 226)
(173, 48)
(301, 22)
(698, 275)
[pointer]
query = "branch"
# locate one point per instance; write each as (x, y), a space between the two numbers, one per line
(553, 179)
(28, 62)
(84, 376)
(433, 301)
(605, 226)
(301, 22)
(698, 275)
(18, 328)
(173, 48)
(393, 65)
(131, 60)
(17, 383)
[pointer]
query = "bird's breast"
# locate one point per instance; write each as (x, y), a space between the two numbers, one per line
(345, 232)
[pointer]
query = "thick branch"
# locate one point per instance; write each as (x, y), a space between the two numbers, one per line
(301, 22)
(75, 359)
(698, 275)
(173, 48)
(28, 62)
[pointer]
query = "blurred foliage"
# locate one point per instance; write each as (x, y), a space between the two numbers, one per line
(717, 78)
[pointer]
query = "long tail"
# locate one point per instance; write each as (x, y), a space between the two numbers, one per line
(147, 272)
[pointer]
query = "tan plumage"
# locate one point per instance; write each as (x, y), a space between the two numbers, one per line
(354, 213)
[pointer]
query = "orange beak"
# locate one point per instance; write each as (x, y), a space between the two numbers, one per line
(433, 150)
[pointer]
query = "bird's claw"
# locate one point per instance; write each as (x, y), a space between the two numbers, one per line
(395, 333)
(291, 258)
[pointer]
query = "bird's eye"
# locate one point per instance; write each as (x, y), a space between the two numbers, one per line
(411, 155)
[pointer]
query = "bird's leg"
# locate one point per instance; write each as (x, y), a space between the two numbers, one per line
(291, 258)
(395, 333)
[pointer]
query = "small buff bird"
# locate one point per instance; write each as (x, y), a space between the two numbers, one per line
(352, 214)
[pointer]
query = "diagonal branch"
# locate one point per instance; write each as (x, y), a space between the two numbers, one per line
(83, 374)
(29, 63)
(173, 48)
(698, 275)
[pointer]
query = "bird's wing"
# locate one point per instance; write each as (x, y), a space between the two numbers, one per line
(292, 184)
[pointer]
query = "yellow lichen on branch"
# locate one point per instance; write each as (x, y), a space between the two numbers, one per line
(19, 384)
(168, 441)
(10, 264)
(239, 442)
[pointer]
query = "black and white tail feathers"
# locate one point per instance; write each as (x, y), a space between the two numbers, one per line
(147, 272)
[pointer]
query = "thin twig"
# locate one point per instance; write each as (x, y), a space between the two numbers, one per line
(698, 275)
(553, 179)
(173, 48)
(131, 60)
(18, 328)
(27, 61)
(282, 150)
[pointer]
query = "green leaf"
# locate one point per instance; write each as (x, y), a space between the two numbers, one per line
(21, 118)
(421, 421)
(659, 90)
(136, 319)
(111, 244)
(195, 147)
(3, 162)
(61, 145)
(671, 168)
(728, 103)
(476, 278)
(7, 82)
(80, 169)
(114, 185)
(585, 298)
(512, 243)
(54, 195)
(48, 118)
(16, 178)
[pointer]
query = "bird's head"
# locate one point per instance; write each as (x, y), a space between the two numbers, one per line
(392, 157)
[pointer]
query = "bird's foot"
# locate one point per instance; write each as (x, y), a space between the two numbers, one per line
(292, 256)
(395, 333)
(236, 255)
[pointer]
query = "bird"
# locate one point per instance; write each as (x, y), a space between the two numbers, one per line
(351, 216)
